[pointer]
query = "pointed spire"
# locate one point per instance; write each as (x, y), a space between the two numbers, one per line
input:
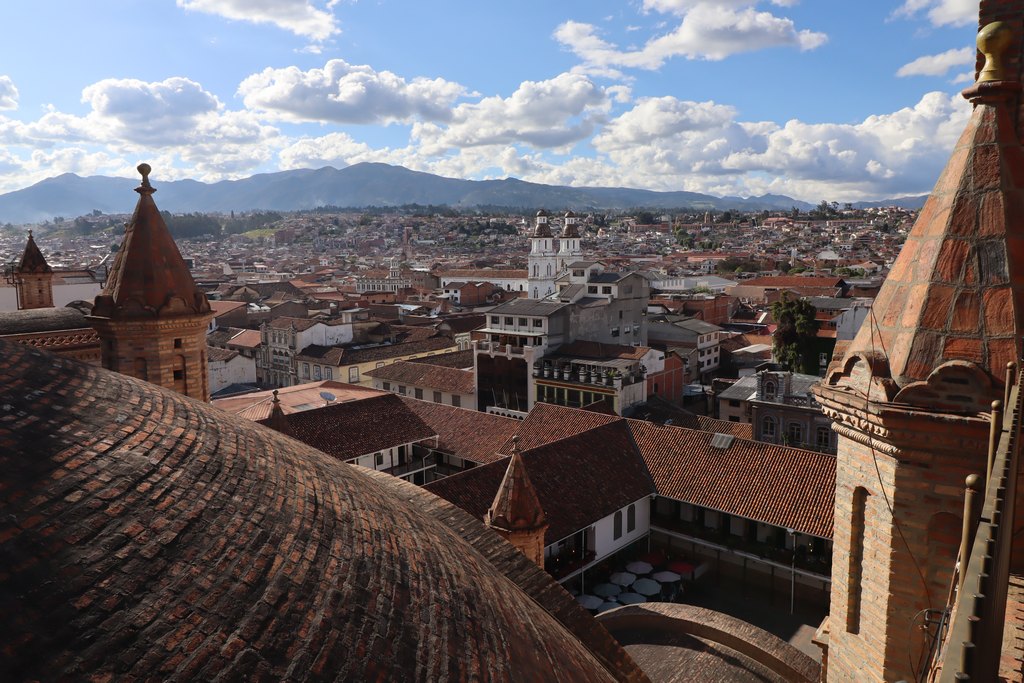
(516, 506)
(149, 277)
(278, 420)
(955, 294)
(32, 261)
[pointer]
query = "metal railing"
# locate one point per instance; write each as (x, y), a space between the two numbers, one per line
(972, 646)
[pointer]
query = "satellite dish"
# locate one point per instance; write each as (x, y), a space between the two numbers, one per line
(328, 396)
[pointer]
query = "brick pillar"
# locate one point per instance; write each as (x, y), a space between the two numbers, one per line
(899, 493)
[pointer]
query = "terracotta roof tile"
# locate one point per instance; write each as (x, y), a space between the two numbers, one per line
(32, 260)
(468, 434)
(147, 536)
(149, 277)
(356, 428)
(436, 377)
(785, 487)
(515, 505)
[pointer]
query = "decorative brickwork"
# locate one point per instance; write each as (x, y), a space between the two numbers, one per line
(34, 278)
(147, 536)
(908, 398)
(151, 317)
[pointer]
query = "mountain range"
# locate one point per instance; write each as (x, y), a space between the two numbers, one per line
(356, 186)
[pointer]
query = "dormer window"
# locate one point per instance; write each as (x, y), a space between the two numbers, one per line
(770, 389)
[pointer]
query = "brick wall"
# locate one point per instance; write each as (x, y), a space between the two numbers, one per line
(920, 468)
(170, 352)
(529, 543)
(35, 290)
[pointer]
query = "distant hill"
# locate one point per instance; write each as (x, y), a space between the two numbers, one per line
(355, 186)
(902, 202)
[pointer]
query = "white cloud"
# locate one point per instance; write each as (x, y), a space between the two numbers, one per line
(545, 114)
(938, 65)
(150, 113)
(708, 30)
(8, 93)
(345, 93)
(300, 17)
(942, 12)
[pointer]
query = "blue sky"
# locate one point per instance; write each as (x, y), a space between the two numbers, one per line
(816, 99)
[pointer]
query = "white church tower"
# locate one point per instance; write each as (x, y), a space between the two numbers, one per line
(543, 261)
(569, 250)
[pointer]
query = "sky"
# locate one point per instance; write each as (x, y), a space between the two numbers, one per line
(815, 99)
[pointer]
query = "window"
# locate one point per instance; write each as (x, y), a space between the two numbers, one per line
(418, 393)
(592, 289)
(768, 428)
(508, 320)
(620, 315)
(495, 320)
(379, 365)
(305, 370)
(733, 403)
(387, 386)
(456, 400)
(615, 332)
(630, 518)
(769, 390)
(822, 437)
(401, 389)
(537, 322)
(636, 329)
(576, 272)
(733, 418)
(378, 459)
(177, 342)
(522, 322)
(855, 568)
(606, 290)
(316, 372)
(617, 531)
(437, 397)
(795, 433)
(353, 374)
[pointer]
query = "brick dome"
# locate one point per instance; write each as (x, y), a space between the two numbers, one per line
(144, 535)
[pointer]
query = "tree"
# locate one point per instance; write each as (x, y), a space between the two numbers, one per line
(795, 334)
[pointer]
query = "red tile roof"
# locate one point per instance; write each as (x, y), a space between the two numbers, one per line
(436, 377)
(785, 487)
(547, 423)
(356, 428)
(578, 480)
(149, 277)
(32, 260)
(468, 434)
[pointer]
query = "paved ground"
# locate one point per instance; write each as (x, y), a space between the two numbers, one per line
(756, 605)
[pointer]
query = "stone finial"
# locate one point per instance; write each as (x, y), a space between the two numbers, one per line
(144, 170)
(993, 41)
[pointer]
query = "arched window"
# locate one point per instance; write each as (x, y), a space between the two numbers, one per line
(617, 531)
(855, 568)
(770, 389)
(549, 269)
(631, 518)
(768, 428)
(536, 269)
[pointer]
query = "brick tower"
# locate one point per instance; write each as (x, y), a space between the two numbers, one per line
(910, 397)
(151, 318)
(34, 278)
(516, 513)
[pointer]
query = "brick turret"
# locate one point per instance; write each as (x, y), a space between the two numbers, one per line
(34, 278)
(151, 317)
(516, 513)
(910, 395)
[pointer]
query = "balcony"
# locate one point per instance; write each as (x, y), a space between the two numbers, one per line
(499, 348)
(586, 374)
(806, 558)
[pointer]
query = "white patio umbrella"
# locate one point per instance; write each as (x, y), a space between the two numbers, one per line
(622, 578)
(606, 590)
(646, 587)
(640, 567)
(665, 576)
(607, 606)
(631, 598)
(589, 601)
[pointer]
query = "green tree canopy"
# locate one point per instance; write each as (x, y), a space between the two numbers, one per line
(793, 343)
